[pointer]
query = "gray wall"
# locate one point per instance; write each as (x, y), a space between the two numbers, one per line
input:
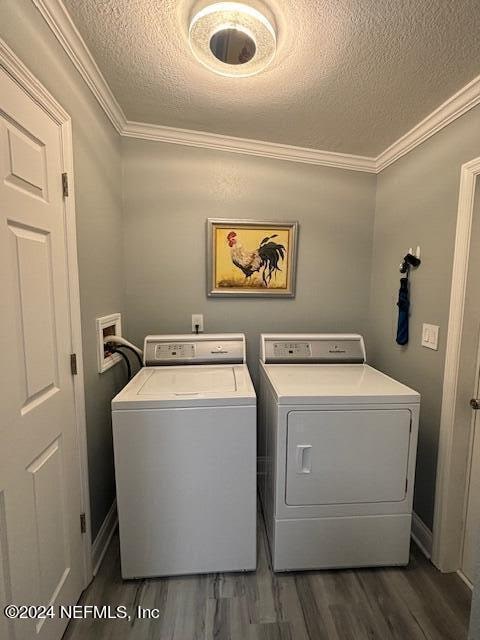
(169, 191)
(97, 165)
(416, 203)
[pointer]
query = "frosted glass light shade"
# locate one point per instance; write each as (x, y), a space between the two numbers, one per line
(228, 17)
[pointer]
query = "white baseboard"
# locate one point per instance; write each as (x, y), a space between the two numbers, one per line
(422, 535)
(102, 540)
(464, 579)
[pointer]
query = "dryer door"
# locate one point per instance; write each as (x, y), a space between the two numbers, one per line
(347, 457)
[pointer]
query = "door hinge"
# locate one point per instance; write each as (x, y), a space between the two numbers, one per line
(73, 364)
(406, 485)
(65, 184)
(83, 523)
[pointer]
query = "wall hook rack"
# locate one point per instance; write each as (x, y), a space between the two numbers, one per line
(411, 259)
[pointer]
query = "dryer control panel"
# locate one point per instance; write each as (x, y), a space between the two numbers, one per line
(316, 348)
(225, 348)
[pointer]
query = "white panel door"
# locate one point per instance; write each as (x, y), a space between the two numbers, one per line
(472, 515)
(472, 519)
(346, 457)
(40, 491)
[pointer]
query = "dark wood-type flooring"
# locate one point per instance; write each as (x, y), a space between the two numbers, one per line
(411, 603)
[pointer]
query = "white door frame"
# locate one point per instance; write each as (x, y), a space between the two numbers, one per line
(25, 79)
(452, 464)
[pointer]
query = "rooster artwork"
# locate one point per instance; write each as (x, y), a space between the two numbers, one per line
(264, 260)
(250, 258)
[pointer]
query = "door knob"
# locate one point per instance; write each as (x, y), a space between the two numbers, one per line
(475, 404)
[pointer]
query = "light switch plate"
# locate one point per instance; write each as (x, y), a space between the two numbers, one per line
(430, 336)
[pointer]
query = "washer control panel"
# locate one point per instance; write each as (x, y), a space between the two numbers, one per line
(179, 350)
(228, 348)
(320, 348)
(292, 349)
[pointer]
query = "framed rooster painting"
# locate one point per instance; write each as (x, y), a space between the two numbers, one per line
(251, 258)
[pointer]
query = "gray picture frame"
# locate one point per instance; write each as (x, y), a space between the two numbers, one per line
(237, 292)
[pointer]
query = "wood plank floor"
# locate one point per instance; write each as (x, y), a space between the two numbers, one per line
(412, 603)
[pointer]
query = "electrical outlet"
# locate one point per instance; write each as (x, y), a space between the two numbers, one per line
(197, 319)
(430, 336)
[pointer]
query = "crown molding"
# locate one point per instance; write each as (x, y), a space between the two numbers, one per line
(21, 74)
(458, 104)
(59, 21)
(246, 146)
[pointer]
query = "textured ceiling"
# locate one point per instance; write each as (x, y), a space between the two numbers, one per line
(349, 75)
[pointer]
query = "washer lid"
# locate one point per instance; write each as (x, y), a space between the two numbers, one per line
(187, 386)
(336, 384)
(189, 380)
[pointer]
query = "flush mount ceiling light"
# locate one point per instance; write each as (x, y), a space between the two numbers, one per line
(232, 39)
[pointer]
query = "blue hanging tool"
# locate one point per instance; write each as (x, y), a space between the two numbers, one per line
(404, 298)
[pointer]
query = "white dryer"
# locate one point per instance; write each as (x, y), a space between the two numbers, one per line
(339, 442)
(184, 433)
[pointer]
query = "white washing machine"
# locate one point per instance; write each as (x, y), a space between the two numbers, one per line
(339, 442)
(184, 433)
